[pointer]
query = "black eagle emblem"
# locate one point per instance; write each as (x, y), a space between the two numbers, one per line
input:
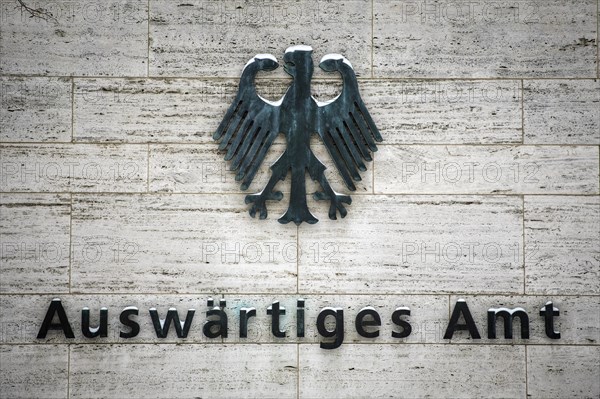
(252, 123)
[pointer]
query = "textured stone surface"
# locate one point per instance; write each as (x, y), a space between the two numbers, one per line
(384, 245)
(75, 37)
(217, 39)
(189, 110)
(562, 111)
(577, 323)
(562, 244)
(487, 170)
(34, 242)
(485, 39)
(113, 193)
(187, 371)
(411, 371)
(74, 168)
(445, 111)
(150, 110)
(35, 109)
(202, 169)
(563, 372)
(186, 243)
(33, 371)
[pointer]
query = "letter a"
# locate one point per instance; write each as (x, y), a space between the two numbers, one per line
(63, 324)
(461, 307)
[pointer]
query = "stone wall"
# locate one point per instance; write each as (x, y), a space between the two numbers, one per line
(113, 194)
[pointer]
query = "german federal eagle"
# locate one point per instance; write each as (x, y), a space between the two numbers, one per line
(252, 123)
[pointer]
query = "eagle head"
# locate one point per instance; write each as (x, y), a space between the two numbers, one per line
(298, 59)
(266, 62)
(334, 62)
(262, 62)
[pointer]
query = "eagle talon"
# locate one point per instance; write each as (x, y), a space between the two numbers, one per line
(336, 201)
(259, 202)
(258, 206)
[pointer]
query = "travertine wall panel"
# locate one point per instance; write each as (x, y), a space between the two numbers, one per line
(217, 39)
(189, 110)
(562, 240)
(471, 246)
(487, 170)
(188, 371)
(35, 109)
(437, 111)
(562, 111)
(34, 242)
(149, 110)
(73, 168)
(134, 243)
(75, 37)
(113, 194)
(562, 372)
(485, 39)
(201, 169)
(34, 371)
(412, 371)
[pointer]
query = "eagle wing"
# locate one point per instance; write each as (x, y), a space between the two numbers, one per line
(345, 125)
(251, 123)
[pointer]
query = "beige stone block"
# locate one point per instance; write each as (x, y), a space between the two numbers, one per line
(485, 39)
(561, 372)
(79, 37)
(562, 242)
(34, 371)
(187, 243)
(202, 38)
(187, 371)
(34, 243)
(562, 111)
(35, 109)
(415, 244)
(74, 168)
(412, 371)
(487, 170)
